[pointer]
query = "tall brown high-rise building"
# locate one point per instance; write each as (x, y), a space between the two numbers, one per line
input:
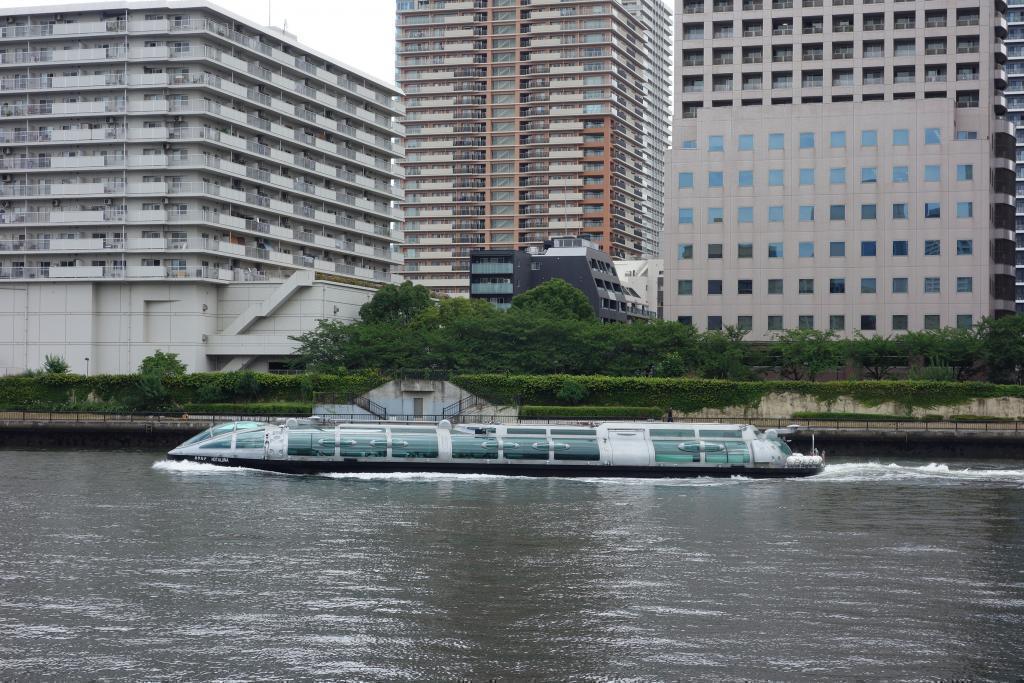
(528, 120)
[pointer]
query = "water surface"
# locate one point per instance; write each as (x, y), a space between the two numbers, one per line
(115, 565)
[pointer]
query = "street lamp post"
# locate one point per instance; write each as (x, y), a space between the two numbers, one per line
(87, 366)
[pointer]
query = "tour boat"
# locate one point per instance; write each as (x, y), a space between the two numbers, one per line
(619, 449)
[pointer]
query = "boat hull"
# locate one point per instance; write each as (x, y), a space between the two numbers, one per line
(328, 466)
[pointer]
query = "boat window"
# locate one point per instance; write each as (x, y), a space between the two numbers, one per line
(539, 431)
(474, 446)
(566, 432)
(363, 443)
(575, 447)
(525, 446)
(202, 436)
(221, 428)
(672, 433)
(224, 443)
(300, 443)
(781, 445)
(727, 452)
(721, 433)
(409, 443)
(250, 439)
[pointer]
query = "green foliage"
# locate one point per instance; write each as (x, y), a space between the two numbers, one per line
(161, 364)
(591, 412)
(955, 350)
(296, 408)
(55, 365)
(396, 304)
(572, 393)
(1002, 348)
(556, 299)
(804, 354)
(876, 356)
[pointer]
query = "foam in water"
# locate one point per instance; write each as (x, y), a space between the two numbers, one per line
(187, 467)
(875, 471)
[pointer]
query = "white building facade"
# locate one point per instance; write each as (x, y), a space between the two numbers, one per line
(177, 177)
(840, 166)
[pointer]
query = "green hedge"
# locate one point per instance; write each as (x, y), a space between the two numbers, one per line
(597, 412)
(691, 395)
(280, 408)
(61, 391)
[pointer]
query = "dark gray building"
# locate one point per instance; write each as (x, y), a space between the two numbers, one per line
(497, 275)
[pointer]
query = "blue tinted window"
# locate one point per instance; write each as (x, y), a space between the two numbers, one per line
(900, 137)
(837, 249)
(869, 174)
(715, 215)
(807, 250)
(806, 140)
(899, 285)
(965, 172)
(899, 210)
(869, 138)
(685, 252)
(716, 143)
(776, 176)
(775, 214)
(715, 179)
(932, 210)
(868, 212)
(932, 173)
(867, 248)
(685, 216)
(867, 285)
(775, 250)
(932, 285)
(684, 287)
(932, 248)
(964, 247)
(837, 138)
(900, 248)
(964, 209)
(900, 174)
(746, 178)
(837, 176)
(806, 176)
(837, 212)
(689, 144)
(745, 214)
(776, 141)
(807, 213)
(964, 285)
(685, 181)
(746, 143)
(932, 136)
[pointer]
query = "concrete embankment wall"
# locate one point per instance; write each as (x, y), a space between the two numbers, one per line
(786, 404)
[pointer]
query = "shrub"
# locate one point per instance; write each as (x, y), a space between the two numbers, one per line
(572, 392)
(55, 365)
(279, 408)
(596, 412)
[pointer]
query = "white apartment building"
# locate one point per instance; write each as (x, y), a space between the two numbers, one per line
(176, 177)
(1015, 107)
(840, 165)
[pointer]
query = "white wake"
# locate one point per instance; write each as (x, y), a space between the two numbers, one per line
(875, 471)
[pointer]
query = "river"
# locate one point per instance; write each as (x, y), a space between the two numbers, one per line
(118, 565)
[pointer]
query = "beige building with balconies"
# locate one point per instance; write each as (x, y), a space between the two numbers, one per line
(177, 177)
(528, 121)
(839, 165)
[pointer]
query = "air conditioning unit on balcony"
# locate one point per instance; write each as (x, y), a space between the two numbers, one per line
(108, 201)
(56, 202)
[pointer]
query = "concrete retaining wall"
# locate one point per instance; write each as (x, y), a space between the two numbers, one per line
(786, 404)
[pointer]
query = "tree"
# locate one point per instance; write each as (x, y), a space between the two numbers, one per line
(954, 352)
(55, 365)
(554, 299)
(1002, 348)
(875, 355)
(721, 354)
(396, 304)
(162, 364)
(804, 354)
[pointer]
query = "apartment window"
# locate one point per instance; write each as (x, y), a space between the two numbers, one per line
(806, 140)
(932, 210)
(869, 174)
(901, 137)
(684, 288)
(805, 286)
(899, 210)
(805, 322)
(745, 322)
(837, 176)
(685, 252)
(932, 247)
(807, 213)
(932, 136)
(685, 319)
(837, 285)
(745, 214)
(868, 323)
(874, 49)
(776, 141)
(746, 178)
(965, 172)
(714, 287)
(746, 143)
(899, 323)
(685, 181)
(806, 176)
(744, 286)
(901, 174)
(868, 212)
(775, 286)
(689, 144)
(745, 250)
(900, 248)
(776, 177)
(932, 173)
(964, 247)
(869, 138)
(900, 285)
(964, 285)
(932, 322)
(931, 285)
(715, 179)
(837, 249)
(714, 251)
(867, 248)
(837, 323)
(964, 321)
(715, 215)
(775, 250)
(837, 139)
(716, 143)
(964, 209)
(714, 322)
(774, 323)
(776, 214)
(685, 216)
(837, 212)
(868, 285)
(806, 249)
